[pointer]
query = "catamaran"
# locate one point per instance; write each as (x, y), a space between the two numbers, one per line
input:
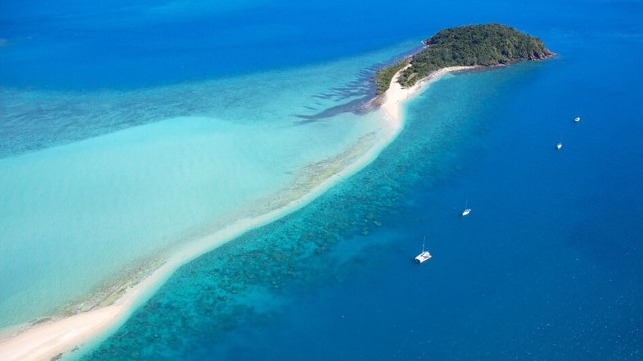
(424, 255)
(466, 209)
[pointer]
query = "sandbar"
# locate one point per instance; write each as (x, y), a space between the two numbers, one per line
(58, 336)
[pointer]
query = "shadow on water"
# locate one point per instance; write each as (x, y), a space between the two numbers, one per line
(362, 87)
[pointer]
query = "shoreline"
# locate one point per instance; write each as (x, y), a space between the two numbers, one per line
(395, 95)
(56, 337)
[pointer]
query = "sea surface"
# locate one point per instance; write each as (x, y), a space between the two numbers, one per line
(127, 130)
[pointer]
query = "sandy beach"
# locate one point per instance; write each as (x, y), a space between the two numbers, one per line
(395, 96)
(57, 336)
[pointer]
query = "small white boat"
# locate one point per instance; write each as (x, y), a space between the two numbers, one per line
(559, 146)
(424, 255)
(577, 119)
(466, 209)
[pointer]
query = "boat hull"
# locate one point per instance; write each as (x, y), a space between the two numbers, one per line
(423, 257)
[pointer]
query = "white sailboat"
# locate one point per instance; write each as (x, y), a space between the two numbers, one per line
(559, 145)
(467, 210)
(577, 119)
(424, 255)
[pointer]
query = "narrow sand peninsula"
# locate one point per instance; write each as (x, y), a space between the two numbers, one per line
(395, 96)
(58, 336)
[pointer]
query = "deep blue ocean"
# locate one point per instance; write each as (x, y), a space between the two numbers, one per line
(548, 266)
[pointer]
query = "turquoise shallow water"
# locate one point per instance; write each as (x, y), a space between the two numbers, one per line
(547, 266)
(83, 210)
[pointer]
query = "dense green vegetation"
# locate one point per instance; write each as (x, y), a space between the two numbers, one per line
(473, 45)
(384, 76)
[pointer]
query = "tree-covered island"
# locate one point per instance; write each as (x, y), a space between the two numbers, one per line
(473, 45)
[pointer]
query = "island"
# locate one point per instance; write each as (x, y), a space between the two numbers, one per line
(483, 45)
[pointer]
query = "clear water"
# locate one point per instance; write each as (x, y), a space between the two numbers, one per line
(547, 266)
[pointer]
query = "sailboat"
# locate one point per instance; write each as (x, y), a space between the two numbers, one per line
(466, 209)
(577, 119)
(424, 255)
(559, 145)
